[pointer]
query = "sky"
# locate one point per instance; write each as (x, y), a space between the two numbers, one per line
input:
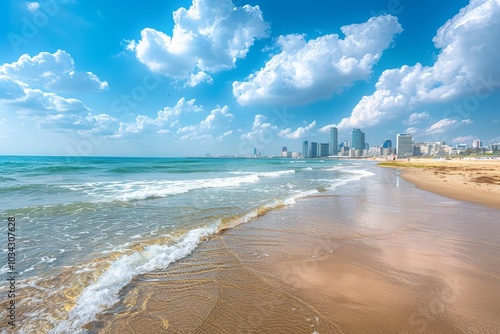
(191, 77)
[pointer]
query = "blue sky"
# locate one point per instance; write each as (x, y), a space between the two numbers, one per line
(186, 78)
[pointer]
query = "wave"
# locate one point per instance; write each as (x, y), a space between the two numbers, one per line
(104, 291)
(141, 190)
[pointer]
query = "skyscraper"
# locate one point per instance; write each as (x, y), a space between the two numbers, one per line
(305, 149)
(358, 140)
(404, 145)
(323, 150)
(313, 150)
(334, 141)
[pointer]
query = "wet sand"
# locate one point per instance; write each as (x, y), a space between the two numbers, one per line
(378, 256)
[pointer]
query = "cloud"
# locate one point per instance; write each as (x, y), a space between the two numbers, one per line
(469, 52)
(417, 118)
(30, 85)
(195, 79)
(463, 139)
(55, 72)
(442, 126)
(297, 134)
(32, 6)
(219, 118)
(261, 130)
(326, 128)
(495, 140)
(305, 71)
(210, 36)
(168, 117)
(446, 125)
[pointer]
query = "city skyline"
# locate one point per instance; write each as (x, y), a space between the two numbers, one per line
(170, 79)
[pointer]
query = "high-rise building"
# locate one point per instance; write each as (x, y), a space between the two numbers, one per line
(358, 140)
(313, 150)
(305, 149)
(334, 141)
(476, 143)
(284, 152)
(404, 145)
(323, 150)
(254, 151)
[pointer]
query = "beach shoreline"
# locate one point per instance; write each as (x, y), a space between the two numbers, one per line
(476, 181)
(408, 261)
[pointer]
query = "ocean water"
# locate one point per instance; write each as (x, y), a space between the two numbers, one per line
(86, 227)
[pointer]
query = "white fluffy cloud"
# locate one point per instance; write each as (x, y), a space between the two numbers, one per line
(261, 130)
(168, 117)
(30, 88)
(210, 36)
(297, 134)
(305, 71)
(469, 53)
(52, 71)
(218, 119)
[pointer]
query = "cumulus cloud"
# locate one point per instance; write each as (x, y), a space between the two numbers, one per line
(305, 71)
(261, 130)
(297, 134)
(469, 53)
(210, 36)
(196, 79)
(52, 71)
(30, 87)
(219, 118)
(168, 117)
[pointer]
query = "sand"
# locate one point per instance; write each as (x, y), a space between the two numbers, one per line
(380, 257)
(476, 181)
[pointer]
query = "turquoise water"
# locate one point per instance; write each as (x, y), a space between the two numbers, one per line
(93, 224)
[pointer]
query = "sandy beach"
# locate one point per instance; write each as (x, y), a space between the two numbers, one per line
(476, 181)
(380, 257)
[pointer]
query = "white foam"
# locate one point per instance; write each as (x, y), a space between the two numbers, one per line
(104, 292)
(137, 190)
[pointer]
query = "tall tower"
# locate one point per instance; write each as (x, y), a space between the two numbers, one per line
(404, 145)
(358, 140)
(305, 149)
(313, 150)
(334, 141)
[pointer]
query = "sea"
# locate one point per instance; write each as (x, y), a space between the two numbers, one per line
(85, 227)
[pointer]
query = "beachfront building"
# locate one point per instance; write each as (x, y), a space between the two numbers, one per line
(387, 148)
(404, 145)
(334, 141)
(323, 150)
(358, 140)
(305, 149)
(374, 151)
(477, 143)
(313, 150)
